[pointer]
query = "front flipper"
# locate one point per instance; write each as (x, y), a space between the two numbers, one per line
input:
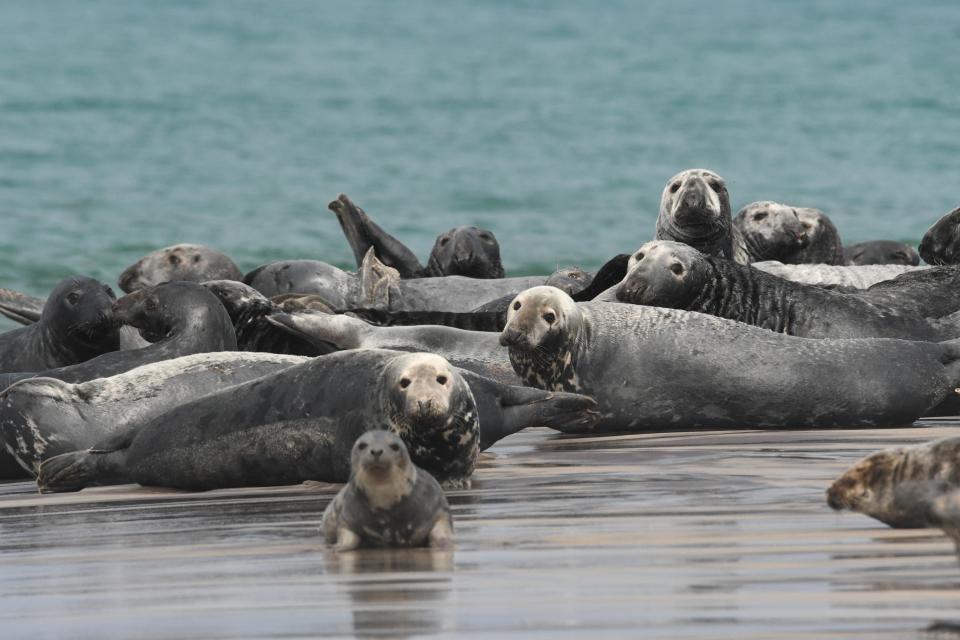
(363, 233)
(78, 469)
(610, 274)
(20, 307)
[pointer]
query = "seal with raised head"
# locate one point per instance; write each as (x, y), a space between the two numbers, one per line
(940, 245)
(462, 251)
(677, 276)
(76, 324)
(880, 252)
(388, 501)
(824, 245)
(188, 262)
(695, 210)
(871, 485)
(652, 368)
(769, 231)
(293, 425)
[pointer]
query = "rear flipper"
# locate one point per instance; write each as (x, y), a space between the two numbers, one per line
(363, 233)
(20, 307)
(323, 330)
(610, 274)
(78, 469)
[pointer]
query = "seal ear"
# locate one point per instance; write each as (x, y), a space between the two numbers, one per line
(376, 279)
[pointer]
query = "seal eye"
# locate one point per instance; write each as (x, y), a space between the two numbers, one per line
(395, 446)
(174, 260)
(550, 317)
(361, 446)
(444, 241)
(485, 236)
(516, 306)
(716, 186)
(677, 268)
(404, 383)
(639, 256)
(807, 225)
(196, 258)
(441, 380)
(675, 187)
(757, 217)
(73, 297)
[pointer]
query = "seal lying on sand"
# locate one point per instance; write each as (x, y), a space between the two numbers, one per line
(769, 231)
(462, 251)
(677, 276)
(388, 502)
(695, 210)
(189, 262)
(880, 252)
(883, 485)
(77, 324)
(651, 368)
(828, 275)
(940, 245)
(291, 426)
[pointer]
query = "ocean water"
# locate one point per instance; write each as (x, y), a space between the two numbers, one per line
(126, 127)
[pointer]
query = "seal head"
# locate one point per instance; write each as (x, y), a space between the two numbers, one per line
(771, 231)
(466, 251)
(941, 243)
(664, 274)
(881, 252)
(190, 262)
(695, 210)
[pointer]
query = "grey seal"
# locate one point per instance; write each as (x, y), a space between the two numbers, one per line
(824, 245)
(293, 425)
(940, 244)
(650, 368)
(695, 210)
(388, 501)
(880, 252)
(827, 275)
(462, 251)
(769, 231)
(77, 324)
(188, 262)
(677, 276)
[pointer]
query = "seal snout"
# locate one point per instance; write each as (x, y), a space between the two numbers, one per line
(838, 495)
(510, 337)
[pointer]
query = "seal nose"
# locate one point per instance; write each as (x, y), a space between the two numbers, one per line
(629, 291)
(510, 337)
(376, 453)
(425, 405)
(836, 492)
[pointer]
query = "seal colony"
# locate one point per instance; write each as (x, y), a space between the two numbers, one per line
(394, 377)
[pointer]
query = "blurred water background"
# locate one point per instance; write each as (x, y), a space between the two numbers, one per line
(126, 127)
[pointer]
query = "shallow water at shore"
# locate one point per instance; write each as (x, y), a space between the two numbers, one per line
(682, 535)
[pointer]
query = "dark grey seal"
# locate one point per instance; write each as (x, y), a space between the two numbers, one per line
(650, 368)
(462, 251)
(695, 210)
(769, 231)
(940, 245)
(77, 324)
(294, 425)
(677, 276)
(388, 501)
(880, 252)
(189, 262)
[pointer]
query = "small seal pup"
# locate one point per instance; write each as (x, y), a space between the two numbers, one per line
(76, 324)
(940, 245)
(189, 262)
(462, 251)
(293, 425)
(880, 252)
(824, 246)
(677, 276)
(871, 485)
(651, 368)
(695, 210)
(388, 501)
(769, 231)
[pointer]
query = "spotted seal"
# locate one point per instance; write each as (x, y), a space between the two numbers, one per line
(189, 262)
(291, 426)
(388, 501)
(651, 368)
(76, 324)
(695, 210)
(880, 252)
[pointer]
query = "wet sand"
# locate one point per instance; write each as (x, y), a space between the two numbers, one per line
(680, 535)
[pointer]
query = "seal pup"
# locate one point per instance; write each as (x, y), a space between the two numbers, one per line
(388, 501)
(189, 262)
(880, 252)
(75, 325)
(462, 251)
(293, 425)
(695, 210)
(940, 245)
(824, 246)
(871, 485)
(177, 318)
(769, 231)
(652, 368)
(677, 276)
(828, 275)
(44, 417)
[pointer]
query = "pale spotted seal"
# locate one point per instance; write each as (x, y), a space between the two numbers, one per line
(189, 262)
(769, 231)
(388, 501)
(695, 210)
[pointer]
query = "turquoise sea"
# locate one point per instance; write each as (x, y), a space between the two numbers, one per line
(128, 126)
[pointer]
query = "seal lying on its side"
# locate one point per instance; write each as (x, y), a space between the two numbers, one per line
(695, 210)
(871, 485)
(940, 245)
(388, 502)
(880, 252)
(188, 262)
(291, 426)
(461, 251)
(677, 276)
(652, 368)
(75, 326)
(828, 275)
